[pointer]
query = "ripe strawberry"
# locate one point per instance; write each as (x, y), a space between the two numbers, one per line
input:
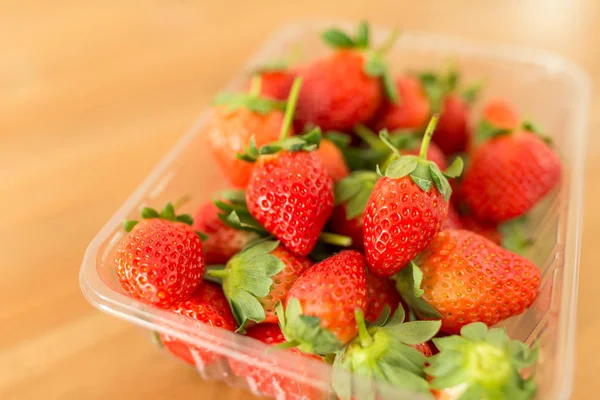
(238, 118)
(223, 241)
(351, 196)
(452, 135)
(467, 278)
(345, 88)
(264, 380)
(259, 277)
(508, 175)
(209, 306)
(319, 314)
(333, 160)
(160, 260)
(290, 192)
(482, 364)
(381, 292)
(275, 82)
(387, 351)
(410, 112)
(406, 210)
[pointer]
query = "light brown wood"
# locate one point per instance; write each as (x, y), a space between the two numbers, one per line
(92, 93)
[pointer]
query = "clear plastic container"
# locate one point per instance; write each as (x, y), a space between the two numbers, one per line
(544, 86)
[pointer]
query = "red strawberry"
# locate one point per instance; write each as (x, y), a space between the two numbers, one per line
(344, 88)
(291, 195)
(406, 210)
(508, 175)
(467, 278)
(410, 112)
(236, 119)
(330, 291)
(351, 196)
(424, 348)
(453, 131)
(275, 83)
(482, 364)
(223, 241)
(389, 351)
(264, 380)
(381, 292)
(452, 135)
(160, 260)
(255, 279)
(209, 306)
(333, 160)
(290, 192)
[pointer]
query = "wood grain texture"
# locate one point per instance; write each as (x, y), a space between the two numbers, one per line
(92, 93)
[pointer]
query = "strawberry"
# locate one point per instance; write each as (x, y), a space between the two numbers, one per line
(276, 82)
(351, 196)
(464, 277)
(255, 279)
(272, 384)
(508, 175)
(482, 364)
(452, 134)
(381, 292)
(333, 160)
(345, 88)
(236, 119)
(498, 116)
(290, 192)
(319, 313)
(160, 260)
(209, 306)
(410, 112)
(387, 351)
(406, 209)
(223, 241)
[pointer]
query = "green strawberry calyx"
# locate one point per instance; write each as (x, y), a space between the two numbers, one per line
(408, 284)
(354, 191)
(248, 277)
(234, 213)
(484, 364)
(303, 331)
(383, 352)
(424, 173)
(382, 152)
(375, 66)
(252, 100)
(515, 237)
(167, 213)
(438, 86)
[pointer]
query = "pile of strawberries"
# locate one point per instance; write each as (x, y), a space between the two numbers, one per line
(351, 235)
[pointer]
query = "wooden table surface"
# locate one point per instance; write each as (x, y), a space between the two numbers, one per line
(92, 93)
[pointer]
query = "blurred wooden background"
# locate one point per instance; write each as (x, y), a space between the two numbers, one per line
(92, 93)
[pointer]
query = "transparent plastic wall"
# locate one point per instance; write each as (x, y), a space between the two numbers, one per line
(541, 86)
